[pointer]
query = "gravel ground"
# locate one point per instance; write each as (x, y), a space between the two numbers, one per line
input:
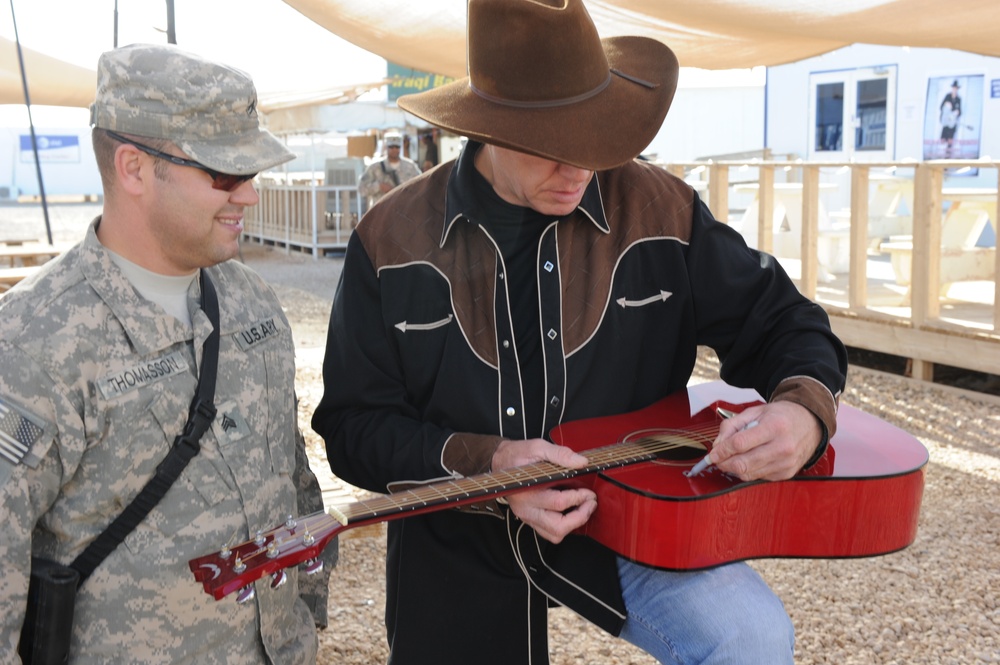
(935, 602)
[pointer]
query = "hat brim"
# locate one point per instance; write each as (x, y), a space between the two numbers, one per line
(242, 153)
(604, 131)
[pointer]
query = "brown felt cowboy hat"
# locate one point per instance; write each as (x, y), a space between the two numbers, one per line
(542, 81)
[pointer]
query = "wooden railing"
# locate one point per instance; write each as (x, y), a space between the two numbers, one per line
(314, 218)
(885, 248)
(928, 323)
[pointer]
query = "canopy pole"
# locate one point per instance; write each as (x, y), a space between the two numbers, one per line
(171, 26)
(31, 125)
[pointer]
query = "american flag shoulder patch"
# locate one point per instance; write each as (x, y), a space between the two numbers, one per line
(18, 431)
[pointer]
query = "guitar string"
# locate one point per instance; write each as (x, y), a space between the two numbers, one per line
(537, 473)
(600, 458)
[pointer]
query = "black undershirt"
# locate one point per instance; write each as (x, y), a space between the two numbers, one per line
(517, 230)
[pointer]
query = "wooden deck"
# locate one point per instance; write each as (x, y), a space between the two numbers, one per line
(9, 276)
(29, 253)
(939, 307)
(303, 217)
(19, 259)
(962, 335)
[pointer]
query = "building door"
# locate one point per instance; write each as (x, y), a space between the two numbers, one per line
(852, 114)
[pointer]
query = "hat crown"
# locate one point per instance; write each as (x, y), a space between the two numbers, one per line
(207, 109)
(546, 54)
(543, 82)
(164, 92)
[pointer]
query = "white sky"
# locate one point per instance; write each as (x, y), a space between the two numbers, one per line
(280, 48)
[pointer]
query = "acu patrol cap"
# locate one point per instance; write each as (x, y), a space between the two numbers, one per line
(205, 108)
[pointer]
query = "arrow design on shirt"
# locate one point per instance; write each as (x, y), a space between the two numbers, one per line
(404, 326)
(623, 303)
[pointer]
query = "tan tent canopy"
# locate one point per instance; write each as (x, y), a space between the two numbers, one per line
(302, 112)
(429, 35)
(51, 81)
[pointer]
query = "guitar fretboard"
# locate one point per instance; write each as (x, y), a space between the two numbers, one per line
(497, 483)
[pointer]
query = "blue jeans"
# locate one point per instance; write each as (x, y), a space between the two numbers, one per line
(726, 615)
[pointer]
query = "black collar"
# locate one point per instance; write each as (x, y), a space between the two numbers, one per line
(461, 203)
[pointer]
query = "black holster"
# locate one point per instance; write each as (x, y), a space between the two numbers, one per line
(48, 623)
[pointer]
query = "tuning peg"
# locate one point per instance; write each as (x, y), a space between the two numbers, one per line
(313, 566)
(259, 538)
(290, 523)
(246, 594)
(278, 579)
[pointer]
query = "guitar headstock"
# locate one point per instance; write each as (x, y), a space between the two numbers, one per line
(268, 553)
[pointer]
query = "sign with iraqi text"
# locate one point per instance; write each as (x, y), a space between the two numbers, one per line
(407, 81)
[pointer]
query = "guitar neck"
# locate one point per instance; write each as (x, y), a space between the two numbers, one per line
(470, 489)
(301, 540)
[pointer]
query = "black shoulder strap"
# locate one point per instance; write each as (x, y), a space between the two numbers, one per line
(186, 446)
(392, 173)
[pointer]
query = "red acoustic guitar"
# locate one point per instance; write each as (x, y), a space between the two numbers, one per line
(861, 499)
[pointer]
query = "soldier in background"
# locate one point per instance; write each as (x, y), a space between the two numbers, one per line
(100, 355)
(384, 175)
(430, 151)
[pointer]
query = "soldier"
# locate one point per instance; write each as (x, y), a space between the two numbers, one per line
(100, 360)
(384, 175)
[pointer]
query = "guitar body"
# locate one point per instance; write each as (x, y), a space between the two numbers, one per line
(861, 499)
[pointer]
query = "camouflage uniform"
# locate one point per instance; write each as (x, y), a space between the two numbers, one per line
(97, 382)
(379, 173)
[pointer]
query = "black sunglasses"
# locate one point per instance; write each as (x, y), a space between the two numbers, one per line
(227, 182)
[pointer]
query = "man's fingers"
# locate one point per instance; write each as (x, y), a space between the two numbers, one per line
(783, 439)
(554, 513)
(564, 456)
(732, 443)
(521, 453)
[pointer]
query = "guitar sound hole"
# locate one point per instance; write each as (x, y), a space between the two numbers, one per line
(671, 446)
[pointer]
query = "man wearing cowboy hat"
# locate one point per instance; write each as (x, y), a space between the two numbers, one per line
(543, 277)
(951, 111)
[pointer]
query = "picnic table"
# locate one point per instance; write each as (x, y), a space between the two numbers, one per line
(30, 254)
(11, 276)
(22, 258)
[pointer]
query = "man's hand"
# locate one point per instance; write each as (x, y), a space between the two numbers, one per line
(552, 513)
(776, 448)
